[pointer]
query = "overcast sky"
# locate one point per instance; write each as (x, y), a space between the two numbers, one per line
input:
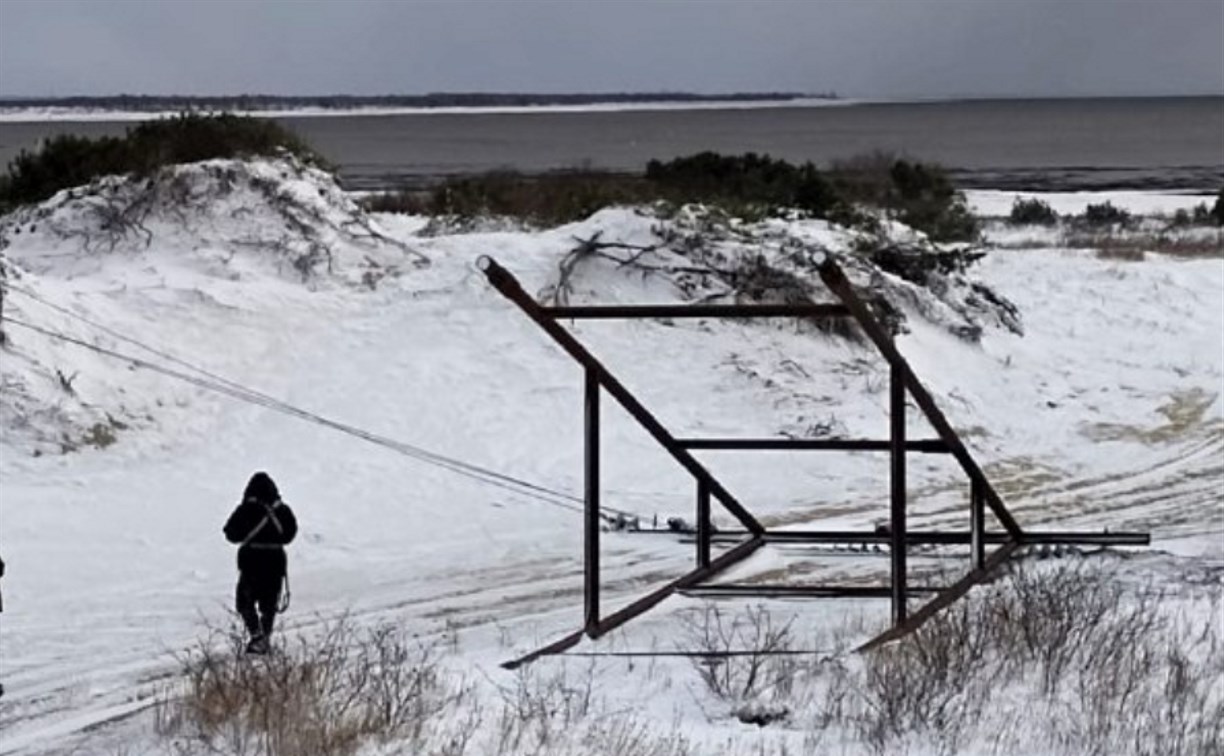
(858, 48)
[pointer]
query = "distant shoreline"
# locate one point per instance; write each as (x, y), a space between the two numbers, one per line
(27, 114)
(126, 107)
(139, 108)
(113, 109)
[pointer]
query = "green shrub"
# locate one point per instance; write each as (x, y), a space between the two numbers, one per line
(927, 201)
(66, 161)
(408, 202)
(1104, 214)
(1199, 215)
(1032, 212)
(548, 199)
(748, 186)
(921, 195)
(743, 180)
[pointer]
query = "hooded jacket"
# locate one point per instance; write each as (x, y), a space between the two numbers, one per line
(261, 525)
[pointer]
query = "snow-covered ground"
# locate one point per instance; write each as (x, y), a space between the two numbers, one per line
(1106, 413)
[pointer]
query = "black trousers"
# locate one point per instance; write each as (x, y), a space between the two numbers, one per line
(257, 597)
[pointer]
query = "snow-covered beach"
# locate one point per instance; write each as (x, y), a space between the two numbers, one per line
(1106, 412)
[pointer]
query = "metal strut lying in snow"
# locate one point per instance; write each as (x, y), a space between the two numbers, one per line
(903, 384)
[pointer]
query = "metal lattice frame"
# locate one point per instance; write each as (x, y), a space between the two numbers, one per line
(903, 383)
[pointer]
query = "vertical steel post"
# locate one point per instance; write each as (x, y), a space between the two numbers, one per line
(591, 485)
(977, 525)
(703, 524)
(897, 479)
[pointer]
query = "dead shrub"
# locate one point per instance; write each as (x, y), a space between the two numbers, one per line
(1134, 246)
(540, 707)
(322, 695)
(926, 685)
(1104, 667)
(738, 656)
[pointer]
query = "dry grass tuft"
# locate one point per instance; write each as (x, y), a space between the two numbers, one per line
(325, 695)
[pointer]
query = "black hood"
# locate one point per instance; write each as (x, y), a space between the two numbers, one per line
(261, 488)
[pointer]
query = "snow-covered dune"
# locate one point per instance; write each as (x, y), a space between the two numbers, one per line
(264, 278)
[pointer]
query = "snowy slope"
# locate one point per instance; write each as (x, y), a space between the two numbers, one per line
(1107, 412)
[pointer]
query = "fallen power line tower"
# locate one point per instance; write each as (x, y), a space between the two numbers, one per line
(903, 383)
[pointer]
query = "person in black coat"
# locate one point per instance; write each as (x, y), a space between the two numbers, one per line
(261, 526)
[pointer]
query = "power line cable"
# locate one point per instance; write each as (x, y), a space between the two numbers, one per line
(237, 391)
(267, 400)
(651, 495)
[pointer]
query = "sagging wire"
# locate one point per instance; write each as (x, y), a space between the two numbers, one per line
(218, 384)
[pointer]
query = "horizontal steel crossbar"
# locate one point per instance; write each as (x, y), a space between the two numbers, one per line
(799, 591)
(927, 446)
(629, 312)
(934, 537)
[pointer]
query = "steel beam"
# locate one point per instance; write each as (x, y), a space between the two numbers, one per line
(799, 591)
(508, 285)
(591, 489)
(620, 617)
(927, 445)
(896, 414)
(631, 312)
(932, 537)
(941, 600)
(703, 524)
(977, 526)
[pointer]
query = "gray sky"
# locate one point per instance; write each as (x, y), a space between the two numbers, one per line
(859, 48)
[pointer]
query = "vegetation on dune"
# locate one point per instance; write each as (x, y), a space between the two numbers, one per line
(1032, 212)
(749, 186)
(547, 200)
(1103, 215)
(751, 182)
(67, 160)
(920, 195)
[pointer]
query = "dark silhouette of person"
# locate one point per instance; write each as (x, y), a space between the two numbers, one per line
(261, 525)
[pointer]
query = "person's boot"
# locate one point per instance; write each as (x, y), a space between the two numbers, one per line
(257, 645)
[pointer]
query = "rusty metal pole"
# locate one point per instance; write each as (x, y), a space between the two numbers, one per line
(897, 479)
(703, 524)
(591, 484)
(977, 525)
